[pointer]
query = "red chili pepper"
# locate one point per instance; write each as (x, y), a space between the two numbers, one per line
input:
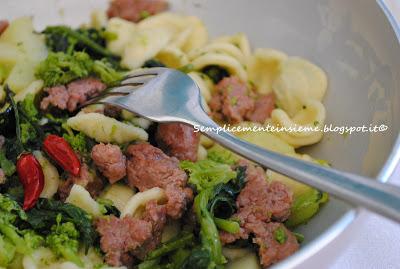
(30, 174)
(60, 151)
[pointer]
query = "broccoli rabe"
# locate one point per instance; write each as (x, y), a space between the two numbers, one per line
(60, 68)
(64, 39)
(105, 71)
(29, 108)
(208, 230)
(207, 173)
(7, 251)
(63, 241)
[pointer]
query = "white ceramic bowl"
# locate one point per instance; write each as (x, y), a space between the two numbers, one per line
(354, 41)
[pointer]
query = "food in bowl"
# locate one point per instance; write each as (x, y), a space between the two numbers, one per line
(100, 187)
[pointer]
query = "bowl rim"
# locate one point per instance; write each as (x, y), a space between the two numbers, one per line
(384, 174)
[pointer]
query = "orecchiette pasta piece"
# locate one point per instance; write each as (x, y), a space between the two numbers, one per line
(34, 88)
(105, 129)
(80, 197)
(119, 194)
(263, 68)
(301, 129)
(298, 81)
(140, 199)
(231, 64)
(172, 57)
(136, 120)
(51, 176)
(220, 47)
(144, 45)
(239, 40)
(198, 34)
(123, 31)
(175, 23)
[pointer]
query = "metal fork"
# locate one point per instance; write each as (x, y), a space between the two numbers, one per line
(167, 95)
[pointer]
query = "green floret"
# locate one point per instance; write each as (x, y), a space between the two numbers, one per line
(105, 71)
(7, 251)
(63, 241)
(207, 173)
(60, 68)
(32, 239)
(77, 142)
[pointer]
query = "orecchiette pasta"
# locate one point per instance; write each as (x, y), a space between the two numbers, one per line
(105, 129)
(119, 194)
(298, 81)
(300, 130)
(34, 88)
(264, 67)
(140, 199)
(80, 197)
(230, 52)
(201, 153)
(123, 31)
(51, 176)
(172, 57)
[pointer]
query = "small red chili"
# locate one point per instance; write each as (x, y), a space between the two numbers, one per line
(60, 151)
(30, 174)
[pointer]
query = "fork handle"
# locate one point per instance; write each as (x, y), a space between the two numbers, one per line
(381, 198)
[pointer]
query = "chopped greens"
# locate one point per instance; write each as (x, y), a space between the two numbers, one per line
(207, 173)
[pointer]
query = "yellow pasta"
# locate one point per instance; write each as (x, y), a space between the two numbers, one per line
(140, 199)
(51, 176)
(80, 197)
(119, 194)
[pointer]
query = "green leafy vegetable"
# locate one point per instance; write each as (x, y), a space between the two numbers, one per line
(223, 204)
(215, 72)
(63, 241)
(208, 230)
(29, 108)
(105, 71)
(45, 213)
(64, 39)
(7, 251)
(60, 68)
(207, 173)
(199, 258)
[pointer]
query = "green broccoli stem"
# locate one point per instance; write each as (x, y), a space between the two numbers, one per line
(87, 41)
(71, 256)
(5, 164)
(229, 226)
(208, 230)
(183, 240)
(11, 233)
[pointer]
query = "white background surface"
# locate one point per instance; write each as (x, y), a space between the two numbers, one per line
(371, 241)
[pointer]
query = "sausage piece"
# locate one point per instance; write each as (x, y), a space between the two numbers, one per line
(178, 140)
(149, 167)
(110, 160)
(135, 10)
(231, 101)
